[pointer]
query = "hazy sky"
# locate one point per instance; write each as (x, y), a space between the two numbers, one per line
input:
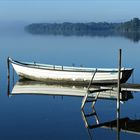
(69, 10)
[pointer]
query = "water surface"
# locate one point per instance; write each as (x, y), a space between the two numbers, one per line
(56, 117)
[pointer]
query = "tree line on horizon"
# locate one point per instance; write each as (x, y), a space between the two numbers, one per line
(91, 28)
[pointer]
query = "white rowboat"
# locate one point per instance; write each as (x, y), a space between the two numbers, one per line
(65, 74)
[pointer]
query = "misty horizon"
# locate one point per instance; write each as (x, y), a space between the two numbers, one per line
(68, 11)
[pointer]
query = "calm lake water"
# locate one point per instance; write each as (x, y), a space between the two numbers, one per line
(38, 117)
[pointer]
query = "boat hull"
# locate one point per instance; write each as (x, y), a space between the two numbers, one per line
(61, 75)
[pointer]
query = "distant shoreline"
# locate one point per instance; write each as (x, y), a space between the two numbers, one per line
(129, 29)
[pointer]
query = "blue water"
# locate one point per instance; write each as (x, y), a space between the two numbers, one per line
(37, 117)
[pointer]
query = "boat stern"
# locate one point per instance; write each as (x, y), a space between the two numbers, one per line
(126, 73)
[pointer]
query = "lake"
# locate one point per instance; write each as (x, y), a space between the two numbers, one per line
(41, 117)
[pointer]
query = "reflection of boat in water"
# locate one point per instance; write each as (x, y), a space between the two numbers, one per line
(78, 75)
(125, 124)
(40, 88)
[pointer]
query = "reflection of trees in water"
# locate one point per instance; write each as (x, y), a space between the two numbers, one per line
(134, 36)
